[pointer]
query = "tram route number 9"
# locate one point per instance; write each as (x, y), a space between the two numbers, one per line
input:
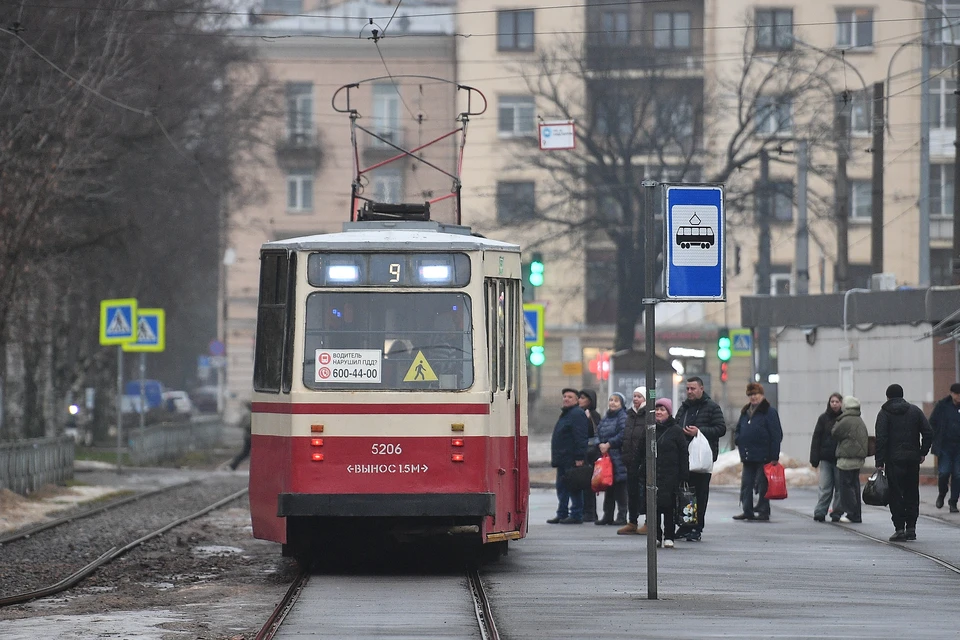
(385, 449)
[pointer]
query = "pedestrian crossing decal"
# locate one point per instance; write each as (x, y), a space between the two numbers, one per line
(151, 329)
(420, 370)
(118, 321)
(118, 325)
(529, 331)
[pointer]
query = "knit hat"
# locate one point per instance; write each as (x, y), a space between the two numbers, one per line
(643, 391)
(850, 402)
(623, 401)
(894, 391)
(666, 404)
(955, 387)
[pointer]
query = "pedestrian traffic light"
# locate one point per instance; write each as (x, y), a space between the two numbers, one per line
(536, 270)
(723, 345)
(724, 371)
(536, 356)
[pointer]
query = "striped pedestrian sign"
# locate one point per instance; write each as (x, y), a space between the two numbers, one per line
(151, 330)
(117, 321)
(533, 325)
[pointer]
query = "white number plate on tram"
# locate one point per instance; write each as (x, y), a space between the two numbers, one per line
(348, 365)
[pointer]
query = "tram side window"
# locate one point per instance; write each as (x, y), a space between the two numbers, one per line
(502, 299)
(272, 325)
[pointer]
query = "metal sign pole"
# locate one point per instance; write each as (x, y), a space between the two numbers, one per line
(143, 393)
(649, 256)
(119, 403)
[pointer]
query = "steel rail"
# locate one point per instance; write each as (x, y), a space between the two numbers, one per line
(481, 605)
(113, 554)
(30, 531)
(272, 625)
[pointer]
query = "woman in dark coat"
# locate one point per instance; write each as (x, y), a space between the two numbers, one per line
(758, 437)
(673, 467)
(610, 433)
(823, 456)
(588, 402)
(633, 450)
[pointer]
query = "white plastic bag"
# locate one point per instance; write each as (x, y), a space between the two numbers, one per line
(701, 455)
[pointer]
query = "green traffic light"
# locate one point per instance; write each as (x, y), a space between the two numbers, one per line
(537, 357)
(536, 273)
(724, 346)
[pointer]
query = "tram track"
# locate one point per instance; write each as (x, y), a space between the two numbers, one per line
(112, 554)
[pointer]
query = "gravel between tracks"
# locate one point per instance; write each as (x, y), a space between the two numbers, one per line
(205, 579)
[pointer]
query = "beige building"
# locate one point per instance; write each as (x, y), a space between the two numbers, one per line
(697, 48)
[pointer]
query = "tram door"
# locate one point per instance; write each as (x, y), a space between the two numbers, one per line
(503, 325)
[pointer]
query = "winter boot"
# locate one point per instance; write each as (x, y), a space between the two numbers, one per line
(627, 529)
(910, 533)
(943, 481)
(898, 536)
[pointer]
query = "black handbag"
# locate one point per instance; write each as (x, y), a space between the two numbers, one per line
(578, 478)
(687, 512)
(877, 490)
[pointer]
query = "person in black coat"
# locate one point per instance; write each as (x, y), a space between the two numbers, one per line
(673, 467)
(758, 437)
(823, 456)
(903, 441)
(588, 402)
(610, 434)
(634, 452)
(567, 449)
(700, 414)
(945, 421)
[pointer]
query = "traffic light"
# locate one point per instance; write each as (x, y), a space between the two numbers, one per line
(536, 269)
(536, 356)
(724, 371)
(723, 345)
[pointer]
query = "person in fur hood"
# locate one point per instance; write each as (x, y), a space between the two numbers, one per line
(758, 436)
(850, 434)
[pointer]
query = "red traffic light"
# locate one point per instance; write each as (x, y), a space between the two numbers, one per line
(724, 371)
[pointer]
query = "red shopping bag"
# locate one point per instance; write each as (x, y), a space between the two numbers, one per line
(776, 481)
(602, 474)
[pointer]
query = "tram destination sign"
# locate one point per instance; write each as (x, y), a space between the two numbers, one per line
(388, 269)
(694, 236)
(348, 365)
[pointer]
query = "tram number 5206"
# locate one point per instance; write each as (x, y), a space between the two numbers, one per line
(385, 449)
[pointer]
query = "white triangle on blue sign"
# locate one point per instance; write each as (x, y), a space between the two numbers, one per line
(741, 342)
(118, 324)
(529, 331)
(145, 332)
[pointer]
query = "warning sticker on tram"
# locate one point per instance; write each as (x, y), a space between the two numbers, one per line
(420, 370)
(348, 365)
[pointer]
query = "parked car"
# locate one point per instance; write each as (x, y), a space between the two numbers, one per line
(178, 402)
(205, 399)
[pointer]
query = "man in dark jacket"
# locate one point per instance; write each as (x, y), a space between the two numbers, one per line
(758, 436)
(945, 421)
(903, 441)
(700, 414)
(567, 449)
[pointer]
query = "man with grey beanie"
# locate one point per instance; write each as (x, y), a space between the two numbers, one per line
(903, 441)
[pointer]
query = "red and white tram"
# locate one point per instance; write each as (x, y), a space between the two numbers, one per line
(389, 387)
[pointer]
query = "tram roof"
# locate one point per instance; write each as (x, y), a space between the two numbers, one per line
(389, 235)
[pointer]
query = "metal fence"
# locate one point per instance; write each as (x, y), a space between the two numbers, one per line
(168, 441)
(26, 466)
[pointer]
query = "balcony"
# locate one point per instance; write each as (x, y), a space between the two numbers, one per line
(299, 150)
(602, 57)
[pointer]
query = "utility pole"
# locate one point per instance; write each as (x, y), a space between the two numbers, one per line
(923, 258)
(842, 197)
(764, 197)
(876, 193)
(803, 251)
(650, 374)
(955, 257)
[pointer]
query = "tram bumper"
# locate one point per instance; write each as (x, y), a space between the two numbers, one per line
(380, 505)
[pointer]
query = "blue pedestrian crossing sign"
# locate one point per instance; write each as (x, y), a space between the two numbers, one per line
(741, 342)
(694, 239)
(533, 325)
(151, 331)
(117, 321)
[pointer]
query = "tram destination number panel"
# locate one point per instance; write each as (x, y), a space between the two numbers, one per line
(388, 269)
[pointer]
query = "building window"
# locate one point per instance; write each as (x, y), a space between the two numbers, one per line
(515, 116)
(781, 206)
(387, 185)
(941, 273)
(860, 200)
(861, 112)
(299, 111)
(299, 192)
(774, 29)
(675, 119)
(854, 28)
(386, 114)
(943, 103)
(601, 286)
(615, 26)
(671, 30)
(781, 283)
(614, 117)
(941, 190)
(283, 7)
(515, 30)
(516, 201)
(774, 115)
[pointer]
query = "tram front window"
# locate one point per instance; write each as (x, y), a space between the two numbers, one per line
(388, 341)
